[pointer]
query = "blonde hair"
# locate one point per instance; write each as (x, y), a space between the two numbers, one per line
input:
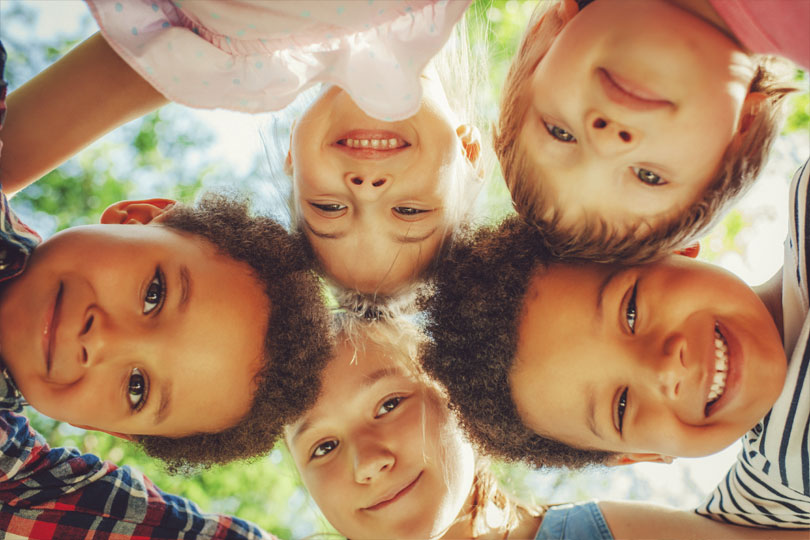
(594, 239)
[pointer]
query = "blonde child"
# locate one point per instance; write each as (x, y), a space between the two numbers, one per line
(627, 126)
(376, 215)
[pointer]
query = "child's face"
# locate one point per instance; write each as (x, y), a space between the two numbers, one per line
(135, 330)
(373, 195)
(631, 110)
(625, 359)
(379, 452)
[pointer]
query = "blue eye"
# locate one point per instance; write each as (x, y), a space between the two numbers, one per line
(324, 448)
(388, 406)
(621, 406)
(559, 133)
(137, 390)
(648, 177)
(630, 312)
(155, 293)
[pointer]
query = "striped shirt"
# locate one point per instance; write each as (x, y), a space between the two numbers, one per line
(769, 485)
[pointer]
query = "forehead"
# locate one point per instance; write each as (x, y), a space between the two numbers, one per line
(355, 368)
(375, 262)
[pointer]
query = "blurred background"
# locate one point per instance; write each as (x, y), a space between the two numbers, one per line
(176, 151)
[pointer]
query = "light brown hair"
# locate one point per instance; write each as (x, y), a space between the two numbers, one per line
(594, 239)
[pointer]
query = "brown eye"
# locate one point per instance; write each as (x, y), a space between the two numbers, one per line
(648, 177)
(324, 448)
(136, 389)
(153, 299)
(559, 133)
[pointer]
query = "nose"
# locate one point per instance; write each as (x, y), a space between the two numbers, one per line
(371, 461)
(671, 369)
(608, 137)
(367, 186)
(101, 338)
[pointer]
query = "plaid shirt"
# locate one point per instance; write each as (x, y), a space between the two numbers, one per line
(48, 493)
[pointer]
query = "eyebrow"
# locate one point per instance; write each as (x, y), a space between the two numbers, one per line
(402, 239)
(185, 288)
(590, 407)
(165, 402)
(367, 381)
(320, 234)
(600, 295)
(415, 239)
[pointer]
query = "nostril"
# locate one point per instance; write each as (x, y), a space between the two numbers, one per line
(625, 136)
(84, 356)
(599, 123)
(357, 181)
(87, 325)
(378, 183)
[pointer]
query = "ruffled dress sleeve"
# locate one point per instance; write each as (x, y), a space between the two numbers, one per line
(257, 56)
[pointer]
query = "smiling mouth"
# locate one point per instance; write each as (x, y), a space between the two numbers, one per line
(395, 496)
(50, 329)
(392, 143)
(718, 386)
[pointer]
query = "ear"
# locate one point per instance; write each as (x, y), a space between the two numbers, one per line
(750, 109)
(690, 251)
(629, 459)
(470, 139)
(138, 212)
(567, 9)
(113, 433)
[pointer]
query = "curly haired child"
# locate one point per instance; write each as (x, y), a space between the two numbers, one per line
(573, 364)
(626, 127)
(136, 325)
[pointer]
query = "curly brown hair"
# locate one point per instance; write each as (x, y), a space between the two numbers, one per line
(473, 315)
(297, 341)
(594, 239)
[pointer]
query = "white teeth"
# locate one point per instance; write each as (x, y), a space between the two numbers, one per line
(379, 144)
(720, 366)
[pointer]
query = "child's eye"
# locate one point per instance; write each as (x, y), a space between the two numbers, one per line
(324, 448)
(388, 405)
(621, 406)
(630, 312)
(408, 211)
(155, 292)
(137, 390)
(329, 208)
(559, 133)
(648, 177)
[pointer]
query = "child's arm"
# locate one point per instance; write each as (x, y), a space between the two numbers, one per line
(628, 520)
(82, 96)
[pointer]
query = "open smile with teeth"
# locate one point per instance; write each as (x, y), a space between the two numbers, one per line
(720, 368)
(392, 143)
